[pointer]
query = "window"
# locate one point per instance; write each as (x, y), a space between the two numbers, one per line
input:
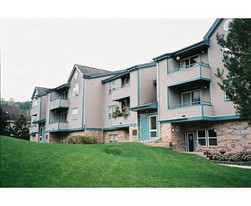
(74, 113)
(201, 137)
(113, 137)
(226, 97)
(76, 89)
(225, 52)
(190, 98)
(134, 132)
(212, 138)
(111, 87)
(153, 126)
(189, 62)
(111, 109)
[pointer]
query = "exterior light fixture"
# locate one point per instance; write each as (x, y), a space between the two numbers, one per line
(177, 58)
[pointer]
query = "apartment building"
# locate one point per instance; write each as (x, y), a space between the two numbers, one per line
(173, 101)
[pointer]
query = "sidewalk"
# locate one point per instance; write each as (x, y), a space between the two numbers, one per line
(239, 166)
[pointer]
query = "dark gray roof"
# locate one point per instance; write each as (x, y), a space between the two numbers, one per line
(41, 90)
(90, 70)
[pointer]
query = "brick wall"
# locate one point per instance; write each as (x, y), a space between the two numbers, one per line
(232, 136)
(121, 136)
(34, 138)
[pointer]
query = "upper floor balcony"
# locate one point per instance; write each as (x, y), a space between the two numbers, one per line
(190, 73)
(33, 129)
(121, 92)
(57, 126)
(59, 103)
(190, 112)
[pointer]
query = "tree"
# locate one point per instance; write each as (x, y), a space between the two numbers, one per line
(21, 129)
(237, 61)
(4, 127)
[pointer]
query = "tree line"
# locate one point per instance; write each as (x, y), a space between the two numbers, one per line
(20, 128)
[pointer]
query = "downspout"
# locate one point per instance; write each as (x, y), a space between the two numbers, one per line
(158, 95)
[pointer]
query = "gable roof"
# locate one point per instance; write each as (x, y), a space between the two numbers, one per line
(199, 45)
(40, 90)
(128, 70)
(212, 29)
(192, 48)
(88, 72)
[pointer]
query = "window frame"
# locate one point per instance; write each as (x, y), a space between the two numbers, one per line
(74, 113)
(76, 89)
(112, 107)
(150, 127)
(198, 138)
(189, 62)
(191, 98)
(209, 137)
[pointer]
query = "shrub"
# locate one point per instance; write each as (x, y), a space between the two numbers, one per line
(235, 157)
(81, 140)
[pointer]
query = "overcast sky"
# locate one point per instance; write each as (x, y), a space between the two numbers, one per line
(42, 52)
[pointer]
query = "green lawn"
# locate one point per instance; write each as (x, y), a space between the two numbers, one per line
(30, 164)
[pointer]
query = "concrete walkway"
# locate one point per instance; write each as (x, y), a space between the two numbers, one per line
(239, 166)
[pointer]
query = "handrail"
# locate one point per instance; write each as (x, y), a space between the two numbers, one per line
(189, 67)
(58, 121)
(176, 106)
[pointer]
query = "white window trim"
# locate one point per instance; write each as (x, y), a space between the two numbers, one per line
(182, 102)
(189, 58)
(152, 130)
(201, 138)
(74, 113)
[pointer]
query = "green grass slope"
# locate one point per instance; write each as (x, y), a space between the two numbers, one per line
(29, 164)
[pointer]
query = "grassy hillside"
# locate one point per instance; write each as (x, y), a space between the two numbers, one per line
(29, 164)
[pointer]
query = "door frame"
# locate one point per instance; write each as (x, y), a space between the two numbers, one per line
(187, 141)
(147, 118)
(41, 137)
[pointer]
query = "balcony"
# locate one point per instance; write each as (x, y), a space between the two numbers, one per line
(57, 126)
(34, 111)
(187, 112)
(59, 104)
(121, 92)
(120, 121)
(33, 129)
(192, 73)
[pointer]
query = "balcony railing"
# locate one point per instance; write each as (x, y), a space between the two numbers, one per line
(33, 129)
(190, 110)
(59, 103)
(121, 92)
(199, 71)
(58, 125)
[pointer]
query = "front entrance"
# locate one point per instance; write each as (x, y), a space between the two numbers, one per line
(148, 127)
(190, 141)
(41, 134)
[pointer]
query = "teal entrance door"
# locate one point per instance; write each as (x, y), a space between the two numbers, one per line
(148, 127)
(41, 134)
(144, 128)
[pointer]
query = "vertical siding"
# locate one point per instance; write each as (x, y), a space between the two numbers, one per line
(94, 102)
(162, 85)
(76, 101)
(147, 88)
(220, 106)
